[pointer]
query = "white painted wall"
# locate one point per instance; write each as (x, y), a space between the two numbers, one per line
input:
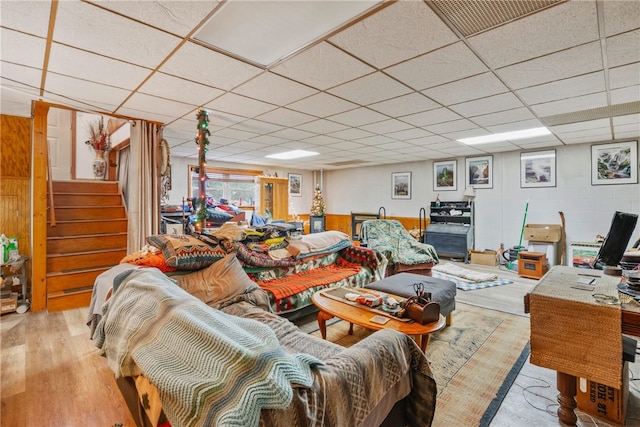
(499, 212)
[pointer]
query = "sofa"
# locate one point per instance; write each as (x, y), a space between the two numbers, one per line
(290, 267)
(208, 350)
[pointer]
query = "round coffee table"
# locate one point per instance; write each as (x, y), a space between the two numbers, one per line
(361, 316)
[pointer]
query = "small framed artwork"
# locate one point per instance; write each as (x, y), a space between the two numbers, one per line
(444, 175)
(401, 185)
(295, 185)
(538, 169)
(316, 224)
(615, 163)
(479, 172)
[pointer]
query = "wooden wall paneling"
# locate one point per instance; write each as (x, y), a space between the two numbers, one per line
(39, 204)
(343, 222)
(15, 141)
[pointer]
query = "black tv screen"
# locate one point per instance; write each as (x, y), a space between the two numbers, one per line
(615, 244)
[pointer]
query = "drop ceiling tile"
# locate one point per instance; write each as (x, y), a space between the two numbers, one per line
(368, 150)
(503, 117)
(81, 90)
(579, 127)
(153, 104)
(322, 66)
(577, 103)
(404, 105)
(539, 145)
(257, 126)
(86, 26)
(222, 119)
(625, 94)
(358, 117)
(359, 90)
(323, 140)
(375, 140)
(468, 89)
(293, 134)
(274, 89)
(401, 31)
(190, 61)
(245, 145)
(409, 134)
(322, 105)
(235, 134)
(623, 49)
(267, 140)
(14, 103)
(452, 126)
(344, 145)
(298, 145)
(538, 34)
(441, 66)
(491, 104)
(630, 119)
(22, 49)
(620, 16)
(31, 17)
(386, 126)
(626, 75)
(566, 88)
(351, 134)
(427, 141)
(17, 76)
(239, 105)
(285, 117)
(513, 126)
(427, 118)
(88, 66)
(177, 17)
(576, 61)
(322, 126)
(143, 115)
(170, 87)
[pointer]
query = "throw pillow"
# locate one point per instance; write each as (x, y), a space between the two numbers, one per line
(217, 283)
(148, 256)
(186, 252)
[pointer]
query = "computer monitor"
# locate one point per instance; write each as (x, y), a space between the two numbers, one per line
(615, 244)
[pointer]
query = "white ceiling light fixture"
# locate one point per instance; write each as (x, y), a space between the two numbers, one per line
(506, 136)
(294, 154)
(264, 32)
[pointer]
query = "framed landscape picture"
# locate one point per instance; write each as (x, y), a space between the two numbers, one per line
(538, 169)
(615, 163)
(401, 185)
(295, 185)
(479, 172)
(444, 175)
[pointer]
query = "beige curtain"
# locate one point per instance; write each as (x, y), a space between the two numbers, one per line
(144, 183)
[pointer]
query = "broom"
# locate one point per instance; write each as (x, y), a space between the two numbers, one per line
(524, 221)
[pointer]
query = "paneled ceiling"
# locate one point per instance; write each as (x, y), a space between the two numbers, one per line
(388, 82)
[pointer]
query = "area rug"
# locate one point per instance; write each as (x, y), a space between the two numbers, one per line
(466, 285)
(473, 361)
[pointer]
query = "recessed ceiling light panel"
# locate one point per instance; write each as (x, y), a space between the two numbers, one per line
(506, 136)
(295, 154)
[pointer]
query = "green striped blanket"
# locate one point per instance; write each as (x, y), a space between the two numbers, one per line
(210, 368)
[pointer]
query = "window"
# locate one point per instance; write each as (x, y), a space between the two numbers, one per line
(238, 186)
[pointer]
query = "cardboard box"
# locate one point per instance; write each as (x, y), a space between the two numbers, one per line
(603, 401)
(10, 304)
(484, 257)
(543, 232)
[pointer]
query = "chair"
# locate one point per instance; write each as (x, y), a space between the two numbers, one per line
(403, 252)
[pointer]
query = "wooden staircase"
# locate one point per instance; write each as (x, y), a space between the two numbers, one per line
(89, 237)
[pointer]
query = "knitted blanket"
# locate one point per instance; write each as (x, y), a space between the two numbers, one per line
(210, 368)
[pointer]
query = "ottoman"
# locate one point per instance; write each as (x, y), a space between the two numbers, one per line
(442, 291)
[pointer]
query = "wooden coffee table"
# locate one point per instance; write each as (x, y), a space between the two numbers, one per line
(361, 316)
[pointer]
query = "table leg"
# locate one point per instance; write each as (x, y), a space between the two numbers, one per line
(350, 328)
(322, 323)
(566, 398)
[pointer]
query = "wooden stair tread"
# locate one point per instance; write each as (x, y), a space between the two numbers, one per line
(84, 236)
(66, 254)
(58, 294)
(78, 271)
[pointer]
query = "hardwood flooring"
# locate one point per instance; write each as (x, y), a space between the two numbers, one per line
(52, 375)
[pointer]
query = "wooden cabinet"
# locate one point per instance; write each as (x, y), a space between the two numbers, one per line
(451, 229)
(274, 197)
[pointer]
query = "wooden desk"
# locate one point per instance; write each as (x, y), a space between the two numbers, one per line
(577, 336)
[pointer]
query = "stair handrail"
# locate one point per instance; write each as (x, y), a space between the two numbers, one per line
(52, 208)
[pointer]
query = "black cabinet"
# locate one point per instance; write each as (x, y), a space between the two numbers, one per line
(451, 229)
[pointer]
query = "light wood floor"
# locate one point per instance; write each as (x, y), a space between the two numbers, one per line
(52, 375)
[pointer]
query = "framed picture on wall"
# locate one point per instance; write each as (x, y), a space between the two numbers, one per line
(479, 172)
(401, 185)
(615, 163)
(538, 169)
(295, 185)
(444, 175)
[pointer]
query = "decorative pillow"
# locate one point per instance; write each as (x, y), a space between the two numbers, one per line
(149, 256)
(317, 242)
(218, 282)
(186, 252)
